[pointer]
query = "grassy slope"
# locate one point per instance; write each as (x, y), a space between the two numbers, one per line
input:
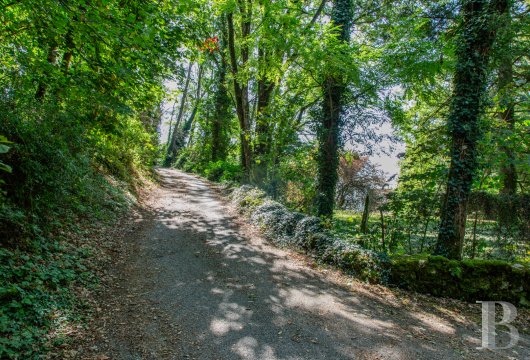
(44, 283)
(70, 183)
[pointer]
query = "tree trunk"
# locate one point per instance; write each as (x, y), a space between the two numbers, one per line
(473, 52)
(265, 88)
(221, 116)
(263, 135)
(172, 148)
(43, 86)
(506, 116)
(329, 127)
(220, 121)
(241, 86)
(171, 123)
(366, 213)
(186, 127)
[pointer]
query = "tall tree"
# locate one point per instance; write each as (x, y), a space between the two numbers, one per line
(240, 80)
(221, 113)
(506, 114)
(172, 146)
(476, 37)
(330, 123)
(276, 55)
(187, 125)
(265, 88)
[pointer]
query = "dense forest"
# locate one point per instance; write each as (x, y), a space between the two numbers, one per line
(289, 96)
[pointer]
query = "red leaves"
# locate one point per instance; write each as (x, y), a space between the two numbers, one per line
(210, 45)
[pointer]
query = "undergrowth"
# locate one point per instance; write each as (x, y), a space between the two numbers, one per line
(69, 178)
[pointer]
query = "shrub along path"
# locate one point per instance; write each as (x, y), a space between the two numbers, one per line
(196, 282)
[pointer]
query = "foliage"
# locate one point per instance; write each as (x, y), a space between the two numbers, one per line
(346, 225)
(54, 186)
(295, 178)
(35, 296)
(395, 66)
(287, 95)
(358, 177)
(476, 37)
(81, 87)
(424, 168)
(4, 148)
(223, 171)
(59, 173)
(287, 228)
(330, 123)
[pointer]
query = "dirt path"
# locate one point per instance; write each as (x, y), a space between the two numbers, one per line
(197, 283)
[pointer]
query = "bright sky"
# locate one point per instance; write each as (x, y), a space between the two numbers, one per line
(385, 153)
(389, 164)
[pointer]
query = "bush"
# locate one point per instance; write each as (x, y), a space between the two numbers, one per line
(277, 222)
(247, 198)
(63, 172)
(223, 171)
(306, 230)
(287, 228)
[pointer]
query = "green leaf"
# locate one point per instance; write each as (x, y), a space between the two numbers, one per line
(4, 149)
(5, 167)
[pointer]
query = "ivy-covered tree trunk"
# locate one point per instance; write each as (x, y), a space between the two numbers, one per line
(506, 115)
(263, 135)
(265, 89)
(241, 86)
(329, 126)
(221, 116)
(477, 33)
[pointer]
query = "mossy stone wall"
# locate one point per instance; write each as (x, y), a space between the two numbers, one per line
(470, 280)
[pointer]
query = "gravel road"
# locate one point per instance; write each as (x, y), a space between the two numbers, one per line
(196, 282)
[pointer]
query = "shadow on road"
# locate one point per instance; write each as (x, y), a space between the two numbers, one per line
(233, 296)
